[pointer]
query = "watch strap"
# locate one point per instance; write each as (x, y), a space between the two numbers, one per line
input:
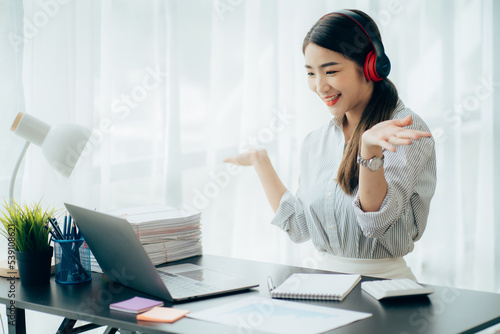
(368, 163)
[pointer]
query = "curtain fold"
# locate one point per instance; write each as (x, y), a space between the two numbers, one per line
(172, 87)
(11, 87)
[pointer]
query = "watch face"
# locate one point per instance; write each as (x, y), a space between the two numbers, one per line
(375, 164)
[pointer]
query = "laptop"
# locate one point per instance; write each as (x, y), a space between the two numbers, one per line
(123, 259)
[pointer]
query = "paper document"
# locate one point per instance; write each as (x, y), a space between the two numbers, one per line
(167, 234)
(278, 316)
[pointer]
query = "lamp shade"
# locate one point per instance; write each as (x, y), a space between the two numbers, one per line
(61, 144)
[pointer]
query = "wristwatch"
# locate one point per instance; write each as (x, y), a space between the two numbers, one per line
(373, 164)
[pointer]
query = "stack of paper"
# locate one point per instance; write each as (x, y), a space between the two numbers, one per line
(167, 233)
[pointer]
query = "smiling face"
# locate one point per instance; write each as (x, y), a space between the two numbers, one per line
(338, 81)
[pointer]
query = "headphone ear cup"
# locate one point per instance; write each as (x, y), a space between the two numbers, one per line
(370, 69)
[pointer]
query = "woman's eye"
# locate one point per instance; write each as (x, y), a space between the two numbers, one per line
(310, 74)
(331, 72)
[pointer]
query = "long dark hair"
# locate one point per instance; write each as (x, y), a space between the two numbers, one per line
(342, 35)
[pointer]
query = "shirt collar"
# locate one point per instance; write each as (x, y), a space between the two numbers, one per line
(399, 106)
(337, 121)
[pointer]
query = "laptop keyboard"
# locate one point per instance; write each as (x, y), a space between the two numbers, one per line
(180, 286)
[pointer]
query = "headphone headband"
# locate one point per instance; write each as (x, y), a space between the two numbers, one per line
(378, 68)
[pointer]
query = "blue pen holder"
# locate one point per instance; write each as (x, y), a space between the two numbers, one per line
(72, 261)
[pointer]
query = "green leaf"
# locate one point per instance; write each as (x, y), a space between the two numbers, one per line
(28, 224)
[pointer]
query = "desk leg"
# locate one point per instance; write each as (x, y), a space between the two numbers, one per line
(68, 327)
(110, 330)
(17, 326)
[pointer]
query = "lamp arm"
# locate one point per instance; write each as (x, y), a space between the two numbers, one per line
(14, 174)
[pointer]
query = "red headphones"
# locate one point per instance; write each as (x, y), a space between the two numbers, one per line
(377, 64)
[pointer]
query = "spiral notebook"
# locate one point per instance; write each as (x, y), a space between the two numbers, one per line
(316, 286)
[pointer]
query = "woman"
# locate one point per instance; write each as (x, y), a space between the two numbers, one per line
(366, 177)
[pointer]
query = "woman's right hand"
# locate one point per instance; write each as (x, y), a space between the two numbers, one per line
(246, 158)
(272, 184)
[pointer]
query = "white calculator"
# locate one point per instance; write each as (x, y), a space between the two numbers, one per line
(394, 288)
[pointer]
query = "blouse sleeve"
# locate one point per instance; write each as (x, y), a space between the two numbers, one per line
(290, 218)
(410, 173)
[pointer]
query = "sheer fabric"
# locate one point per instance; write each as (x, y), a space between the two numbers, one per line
(172, 87)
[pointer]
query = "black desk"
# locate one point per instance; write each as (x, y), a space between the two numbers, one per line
(448, 310)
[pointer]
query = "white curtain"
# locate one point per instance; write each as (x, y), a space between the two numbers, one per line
(172, 87)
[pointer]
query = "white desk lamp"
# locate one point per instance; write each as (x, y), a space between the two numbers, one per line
(61, 144)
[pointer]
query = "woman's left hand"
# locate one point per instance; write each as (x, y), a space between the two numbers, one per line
(390, 133)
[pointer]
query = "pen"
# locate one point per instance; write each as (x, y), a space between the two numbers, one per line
(50, 232)
(270, 284)
(52, 235)
(58, 233)
(70, 223)
(56, 225)
(65, 222)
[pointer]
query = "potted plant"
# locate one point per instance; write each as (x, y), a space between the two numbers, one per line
(27, 230)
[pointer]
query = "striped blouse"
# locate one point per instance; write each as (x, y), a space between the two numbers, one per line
(335, 222)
